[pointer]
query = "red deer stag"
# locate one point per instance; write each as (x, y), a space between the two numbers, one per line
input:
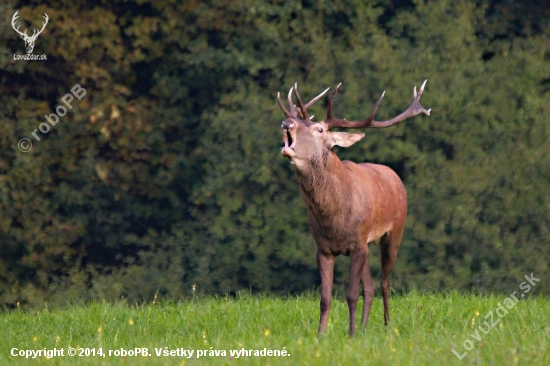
(349, 205)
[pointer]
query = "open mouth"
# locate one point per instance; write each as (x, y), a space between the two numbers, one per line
(289, 138)
(288, 150)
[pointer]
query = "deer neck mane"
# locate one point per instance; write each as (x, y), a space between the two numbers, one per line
(324, 184)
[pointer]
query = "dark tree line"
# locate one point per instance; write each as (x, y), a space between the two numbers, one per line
(167, 173)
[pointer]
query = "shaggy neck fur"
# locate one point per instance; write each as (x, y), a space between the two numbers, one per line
(324, 186)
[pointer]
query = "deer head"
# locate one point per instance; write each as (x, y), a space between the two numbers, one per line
(29, 40)
(307, 141)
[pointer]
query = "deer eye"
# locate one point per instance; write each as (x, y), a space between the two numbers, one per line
(319, 129)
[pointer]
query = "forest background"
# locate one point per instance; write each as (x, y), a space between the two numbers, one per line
(166, 176)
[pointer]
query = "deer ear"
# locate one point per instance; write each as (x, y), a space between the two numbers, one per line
(346, 139)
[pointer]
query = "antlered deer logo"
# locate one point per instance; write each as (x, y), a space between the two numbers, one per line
(29, 40)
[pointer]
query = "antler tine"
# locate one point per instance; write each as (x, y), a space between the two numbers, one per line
(287, 113)
(330, 103)
(293, 111)
(311, 102)
(300, 103)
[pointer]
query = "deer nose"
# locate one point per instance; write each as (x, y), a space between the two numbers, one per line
(288, 125)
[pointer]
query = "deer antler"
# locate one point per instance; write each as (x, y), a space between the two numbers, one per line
(35, 33)
(294, 112)
(13, 20)
(414, 109)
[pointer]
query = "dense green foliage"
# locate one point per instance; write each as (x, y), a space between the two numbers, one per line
(520, 337)
(167, 173)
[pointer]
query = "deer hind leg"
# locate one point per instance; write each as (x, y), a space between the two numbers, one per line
(368, 291)
(326, 270)
(358, 262)
(389, 245)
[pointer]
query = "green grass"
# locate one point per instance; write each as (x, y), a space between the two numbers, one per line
(424, 330)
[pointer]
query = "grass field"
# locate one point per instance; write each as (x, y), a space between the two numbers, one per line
(424, 330)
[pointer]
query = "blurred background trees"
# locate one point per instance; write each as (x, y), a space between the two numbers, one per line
(167, 174)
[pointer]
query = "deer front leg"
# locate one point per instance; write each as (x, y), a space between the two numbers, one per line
(326, 270)
(358, 261)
